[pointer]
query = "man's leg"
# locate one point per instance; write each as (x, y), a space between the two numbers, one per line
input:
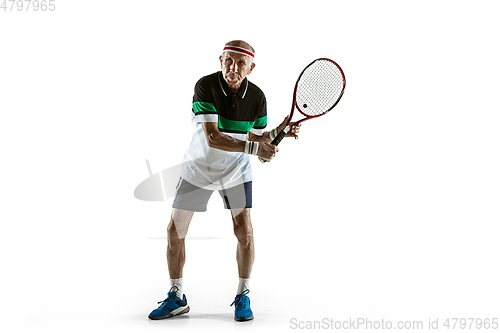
(245, 255)
(176, 302)
(245, 251)
(176, 251)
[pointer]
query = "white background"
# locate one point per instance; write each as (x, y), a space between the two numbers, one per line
(386, 208)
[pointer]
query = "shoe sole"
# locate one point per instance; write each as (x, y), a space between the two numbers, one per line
(176, 312)
(243, 319)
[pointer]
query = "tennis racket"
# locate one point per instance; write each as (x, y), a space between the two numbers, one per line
(317, 91)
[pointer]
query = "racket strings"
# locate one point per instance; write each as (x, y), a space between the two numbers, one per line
(319, 88)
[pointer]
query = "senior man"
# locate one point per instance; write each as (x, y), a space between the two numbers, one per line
(229, 114)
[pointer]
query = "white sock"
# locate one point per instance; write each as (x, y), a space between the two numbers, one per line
(242, 285)
(178, 284)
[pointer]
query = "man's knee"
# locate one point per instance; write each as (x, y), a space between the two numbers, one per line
(243, 227)
(179, 224)
(172, 230)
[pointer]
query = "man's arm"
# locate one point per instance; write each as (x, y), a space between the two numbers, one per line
(260, 138)
(218, 140)
(267, 138)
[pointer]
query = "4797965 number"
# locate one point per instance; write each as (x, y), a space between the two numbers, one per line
(28, 5)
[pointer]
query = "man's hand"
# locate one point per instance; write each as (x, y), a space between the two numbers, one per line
(267, 151)
(294, 129)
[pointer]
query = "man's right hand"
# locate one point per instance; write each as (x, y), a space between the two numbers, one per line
(267, 151)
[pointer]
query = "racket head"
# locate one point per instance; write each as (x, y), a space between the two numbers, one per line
(319, 88)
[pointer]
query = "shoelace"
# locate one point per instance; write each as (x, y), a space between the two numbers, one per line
(171, 294)
(241, 300)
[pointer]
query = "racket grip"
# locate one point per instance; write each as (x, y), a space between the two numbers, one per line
(277, 140)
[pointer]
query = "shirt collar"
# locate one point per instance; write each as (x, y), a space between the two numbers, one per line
(225, 88)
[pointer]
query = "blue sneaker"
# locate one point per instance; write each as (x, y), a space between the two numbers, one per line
(242, 311)
(171, 306)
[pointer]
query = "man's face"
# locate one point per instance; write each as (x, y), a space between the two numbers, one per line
(235, 67)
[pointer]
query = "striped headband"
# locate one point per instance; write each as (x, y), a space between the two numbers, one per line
(237, 49)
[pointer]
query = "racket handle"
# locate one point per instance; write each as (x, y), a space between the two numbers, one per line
(277, 140)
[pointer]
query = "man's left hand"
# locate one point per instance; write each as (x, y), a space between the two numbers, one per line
(294, 129)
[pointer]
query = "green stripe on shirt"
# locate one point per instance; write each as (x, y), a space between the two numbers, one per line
(260, 122)
(235, 125)
(203, 107)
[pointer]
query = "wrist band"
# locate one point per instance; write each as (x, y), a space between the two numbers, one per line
(273, 133)
(251, 147)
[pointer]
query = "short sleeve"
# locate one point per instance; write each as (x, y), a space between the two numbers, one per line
(203, 103)
(261, 121)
